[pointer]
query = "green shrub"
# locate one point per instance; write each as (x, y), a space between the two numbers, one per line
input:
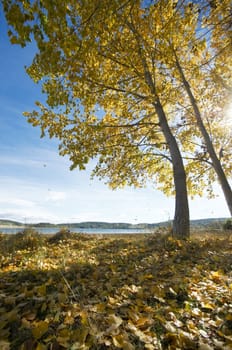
(27, 239)
(228, 225)
(62, 235)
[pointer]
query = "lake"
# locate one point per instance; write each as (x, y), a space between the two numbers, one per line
(53, 230)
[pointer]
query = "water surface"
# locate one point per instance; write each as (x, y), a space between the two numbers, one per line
(53, 230)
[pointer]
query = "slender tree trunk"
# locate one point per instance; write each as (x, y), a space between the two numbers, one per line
(209, 145)
(181, 224)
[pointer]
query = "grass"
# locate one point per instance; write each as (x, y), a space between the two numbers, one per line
(76, 291)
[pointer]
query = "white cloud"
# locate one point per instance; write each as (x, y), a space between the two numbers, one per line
(32, 215)
(55, 196)
(20, 161)
(17, 202)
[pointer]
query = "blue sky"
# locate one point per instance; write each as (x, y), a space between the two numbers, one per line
(36, 183)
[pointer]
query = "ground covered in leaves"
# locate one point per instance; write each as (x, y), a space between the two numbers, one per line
(75, 291)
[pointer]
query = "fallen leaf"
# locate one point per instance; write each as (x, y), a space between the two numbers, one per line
(40, 328)
(4, 345)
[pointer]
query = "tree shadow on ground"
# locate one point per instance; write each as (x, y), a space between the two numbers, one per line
(100, 276)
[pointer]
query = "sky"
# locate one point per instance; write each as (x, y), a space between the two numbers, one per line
(36, 184)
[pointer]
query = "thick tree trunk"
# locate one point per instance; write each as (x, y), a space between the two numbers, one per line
(181, 224)
(215, 160)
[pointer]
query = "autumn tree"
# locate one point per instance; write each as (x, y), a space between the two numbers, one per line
(196, 58)
(118, 77)
(209, 50)
(104, 55)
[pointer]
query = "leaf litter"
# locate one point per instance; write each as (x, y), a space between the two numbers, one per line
(116, 292)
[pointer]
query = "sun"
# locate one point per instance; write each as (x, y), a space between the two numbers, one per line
(228, 115)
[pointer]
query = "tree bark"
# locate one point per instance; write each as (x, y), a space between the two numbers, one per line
(181, 223)
(209, 145)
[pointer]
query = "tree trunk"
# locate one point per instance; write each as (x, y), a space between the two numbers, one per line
(181, 224)
(209, 145)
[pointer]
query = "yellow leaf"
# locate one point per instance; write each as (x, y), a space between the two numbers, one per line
(118, 340)
(207, 306)
(4, 333)
(4, 345)
(148, 277)
(128, 346)
(143, 322)
(84, 318)
(64, 333)
(115, 320)
(64, 342)
(229, 317)
(113, 268)
(41, 347)
(41, 290)
(203, 346)
(43, 307)
(57, 317)
(11, 315)
(30, 316)
(80, 335)
(216, 276)
(115, 323)
(26, 323)
(62, 297)
(99, 307)
(3, 324)
(9, 300)
(112, 301)
(121, 341)
(69, 319)
(40, 329)
(192, 327)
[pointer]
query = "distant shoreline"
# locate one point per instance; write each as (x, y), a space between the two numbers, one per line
(11, 224)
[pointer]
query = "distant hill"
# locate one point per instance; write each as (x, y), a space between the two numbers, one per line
(210, 222)
(99, 224)
(10, 223)
(122, 225)
(44, 224)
